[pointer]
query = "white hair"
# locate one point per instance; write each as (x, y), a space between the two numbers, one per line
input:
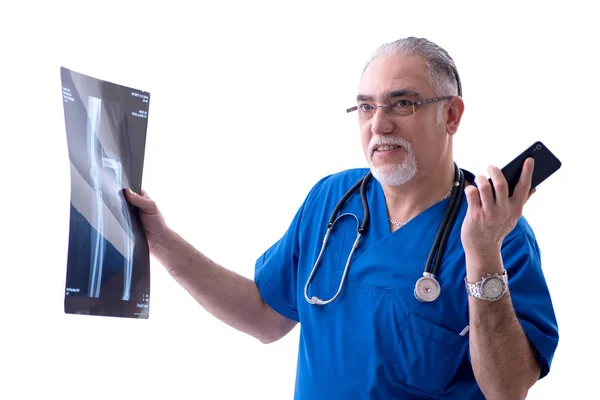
(397, 174)
(443, 75)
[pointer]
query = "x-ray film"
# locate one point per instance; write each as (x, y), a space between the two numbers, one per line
(108, 264)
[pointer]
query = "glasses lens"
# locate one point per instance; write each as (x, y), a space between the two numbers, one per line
(365, 111)
(402, 109)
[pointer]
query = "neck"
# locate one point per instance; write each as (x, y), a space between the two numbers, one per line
(423, 191)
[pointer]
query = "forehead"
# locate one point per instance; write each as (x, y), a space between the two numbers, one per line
(389, 73)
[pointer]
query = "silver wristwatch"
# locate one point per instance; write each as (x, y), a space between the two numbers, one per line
(491, 287)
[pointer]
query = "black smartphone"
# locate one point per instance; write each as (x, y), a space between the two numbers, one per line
(546, 164)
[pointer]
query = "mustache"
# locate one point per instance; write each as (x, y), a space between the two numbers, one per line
(388, 141)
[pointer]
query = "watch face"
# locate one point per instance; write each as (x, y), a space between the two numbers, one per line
(492, 287)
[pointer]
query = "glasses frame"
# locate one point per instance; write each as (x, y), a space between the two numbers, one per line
(388, 107)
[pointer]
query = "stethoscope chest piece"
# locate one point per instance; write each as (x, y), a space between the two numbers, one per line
(427, 288)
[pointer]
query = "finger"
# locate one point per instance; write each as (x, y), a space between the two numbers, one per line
(140, 201)
(485, 194)
(500, 185)
(523, 188)
(130, 192)
(131, 196)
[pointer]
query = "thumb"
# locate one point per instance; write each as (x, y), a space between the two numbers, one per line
(473, 200)
(140, 201)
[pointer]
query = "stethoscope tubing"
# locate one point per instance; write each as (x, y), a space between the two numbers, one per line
(437, 249)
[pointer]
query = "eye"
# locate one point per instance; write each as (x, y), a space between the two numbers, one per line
(402, 103)
(365, 107)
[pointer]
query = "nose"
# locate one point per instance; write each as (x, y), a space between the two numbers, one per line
(381, 124)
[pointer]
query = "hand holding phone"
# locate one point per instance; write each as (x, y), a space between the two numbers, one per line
(546, 164)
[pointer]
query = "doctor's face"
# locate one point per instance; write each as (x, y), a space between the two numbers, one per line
(399, 143)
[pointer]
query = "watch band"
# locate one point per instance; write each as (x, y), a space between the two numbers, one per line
(491, 287)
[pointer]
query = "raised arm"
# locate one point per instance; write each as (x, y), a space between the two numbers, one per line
(230, 297)
(503, 362)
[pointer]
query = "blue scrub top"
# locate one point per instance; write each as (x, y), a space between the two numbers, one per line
(376, 340)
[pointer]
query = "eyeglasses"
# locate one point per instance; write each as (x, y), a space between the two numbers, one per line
(399, 108)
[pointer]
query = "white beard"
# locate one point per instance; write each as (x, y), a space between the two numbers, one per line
(397, 174)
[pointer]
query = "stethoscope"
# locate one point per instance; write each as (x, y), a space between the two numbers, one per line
(427, 288)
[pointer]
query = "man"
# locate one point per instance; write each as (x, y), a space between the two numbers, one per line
(364, 334)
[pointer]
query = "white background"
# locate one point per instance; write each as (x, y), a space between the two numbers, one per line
(247, 111)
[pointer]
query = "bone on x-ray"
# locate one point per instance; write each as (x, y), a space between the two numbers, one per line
(108, 259)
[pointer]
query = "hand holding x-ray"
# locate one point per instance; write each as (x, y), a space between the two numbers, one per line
(153, 221)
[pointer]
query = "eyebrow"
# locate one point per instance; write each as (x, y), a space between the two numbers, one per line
(390, 95)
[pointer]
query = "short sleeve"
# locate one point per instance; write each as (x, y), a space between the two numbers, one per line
(530, 295)
(276, 269)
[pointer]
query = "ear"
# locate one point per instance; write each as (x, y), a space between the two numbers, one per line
(455, 111)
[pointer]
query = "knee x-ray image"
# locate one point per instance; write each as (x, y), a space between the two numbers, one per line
(108, 265)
